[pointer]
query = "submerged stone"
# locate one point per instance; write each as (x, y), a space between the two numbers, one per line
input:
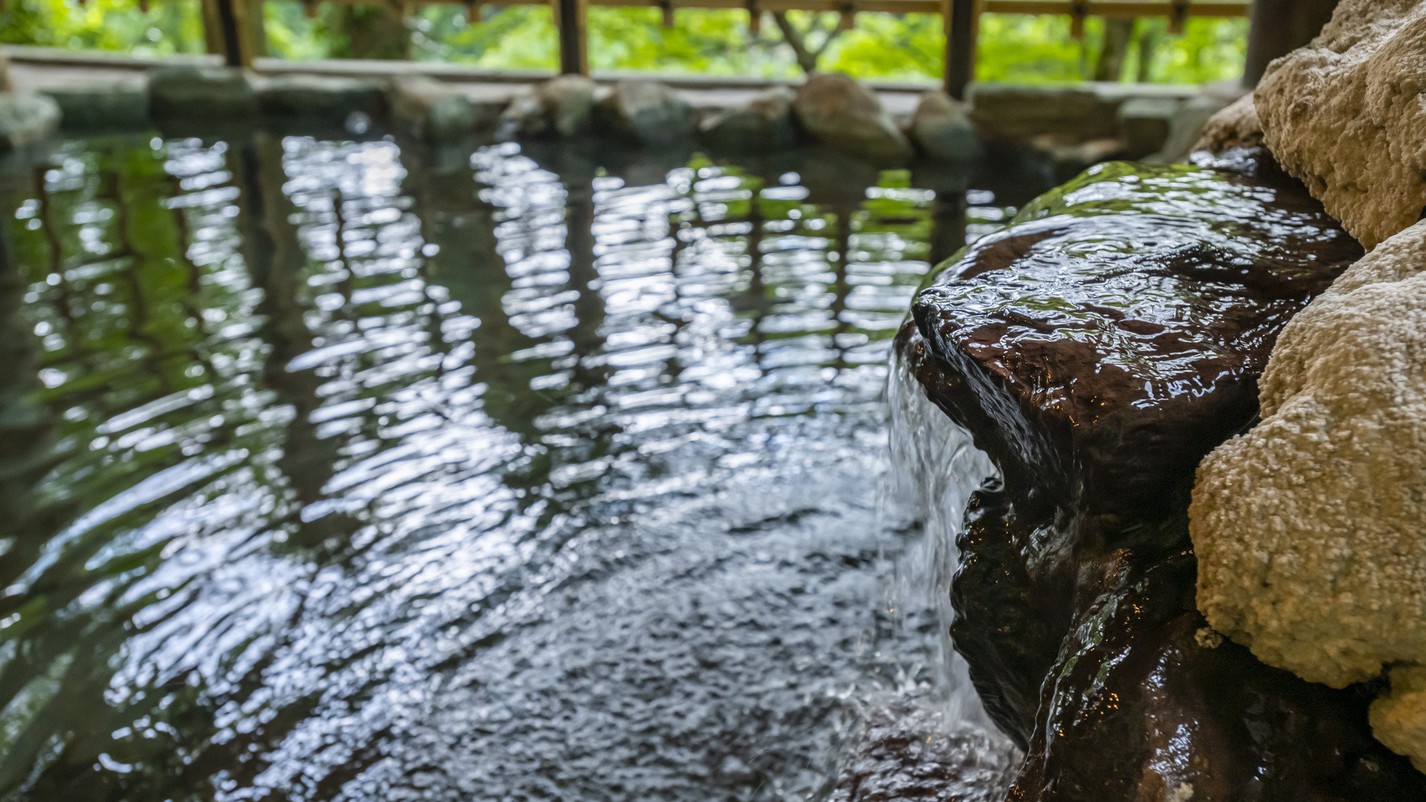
(1096, 349)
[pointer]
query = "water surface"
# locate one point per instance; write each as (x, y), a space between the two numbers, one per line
(333, 471)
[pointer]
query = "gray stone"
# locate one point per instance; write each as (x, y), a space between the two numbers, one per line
(313, 98)
(762, 124)
(648, 112)
(1191, 120)
(202, 94)
(837, 112)
(1145, 122)
(26, 120)
(429, 110)
(942, 130)
(1013, 115)
(560, 106)
(120, 105)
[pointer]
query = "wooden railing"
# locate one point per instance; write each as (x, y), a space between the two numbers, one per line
(234, 25)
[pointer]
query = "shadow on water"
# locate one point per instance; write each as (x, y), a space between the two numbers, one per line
(335, 471)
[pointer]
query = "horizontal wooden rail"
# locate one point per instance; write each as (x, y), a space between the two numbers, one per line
(1103, 8)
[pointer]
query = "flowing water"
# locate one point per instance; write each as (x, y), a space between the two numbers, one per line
(333, 471)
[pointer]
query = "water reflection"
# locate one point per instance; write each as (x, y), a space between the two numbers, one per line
(329, 471)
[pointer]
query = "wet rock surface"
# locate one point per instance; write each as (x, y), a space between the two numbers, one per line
(1096, 350)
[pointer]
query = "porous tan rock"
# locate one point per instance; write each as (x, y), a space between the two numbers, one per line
(1234, 126)
(1399, 718)
(1310, 529)
(1347, 115)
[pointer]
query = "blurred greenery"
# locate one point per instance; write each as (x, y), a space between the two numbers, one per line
(1013, 48)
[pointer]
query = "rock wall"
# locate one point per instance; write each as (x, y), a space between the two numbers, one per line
(1311, 528)
(1345, 115)
(1096, 349)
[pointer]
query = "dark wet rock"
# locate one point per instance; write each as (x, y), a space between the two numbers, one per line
(1096, 349)
(647, 112)
(906, 752)
(845, 116)
(206, 94)
(942, 130)
(561, 106)
(320, 99)
(26, 120)
(764, 123)
(429, 110)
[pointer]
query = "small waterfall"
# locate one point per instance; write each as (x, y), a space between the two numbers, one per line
(934, 469)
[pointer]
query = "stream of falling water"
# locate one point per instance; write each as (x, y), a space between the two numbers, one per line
(936, 467)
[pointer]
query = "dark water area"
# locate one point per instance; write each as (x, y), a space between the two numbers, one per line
(335, 471)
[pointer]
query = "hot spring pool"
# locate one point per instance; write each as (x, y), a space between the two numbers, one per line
(330, 471)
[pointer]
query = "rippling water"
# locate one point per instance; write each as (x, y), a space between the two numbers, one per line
(330, 471)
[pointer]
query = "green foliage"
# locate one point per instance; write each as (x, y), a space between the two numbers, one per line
(168, 26)
(1013, 48)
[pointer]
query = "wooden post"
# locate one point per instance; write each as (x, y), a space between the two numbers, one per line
(227, 29)
(5, 85)
(574, 50)
(960, 27)
(1278, 27)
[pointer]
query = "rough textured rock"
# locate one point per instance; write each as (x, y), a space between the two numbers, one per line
(1332, 583)
(1235, 126)
(1346, 115)
(840, 113)
(203, 95)
(1096, 349)
(561, 106)
(648, 112)
(762, 124)
(941, 129)
(1399, 717)
(26, 120)
(429, 110)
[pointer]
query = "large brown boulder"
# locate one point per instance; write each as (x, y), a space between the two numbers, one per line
(1346, 115)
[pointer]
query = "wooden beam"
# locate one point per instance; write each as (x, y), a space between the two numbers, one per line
(228, 31)
(1093, 8)
(574, 41)
(960, 24)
